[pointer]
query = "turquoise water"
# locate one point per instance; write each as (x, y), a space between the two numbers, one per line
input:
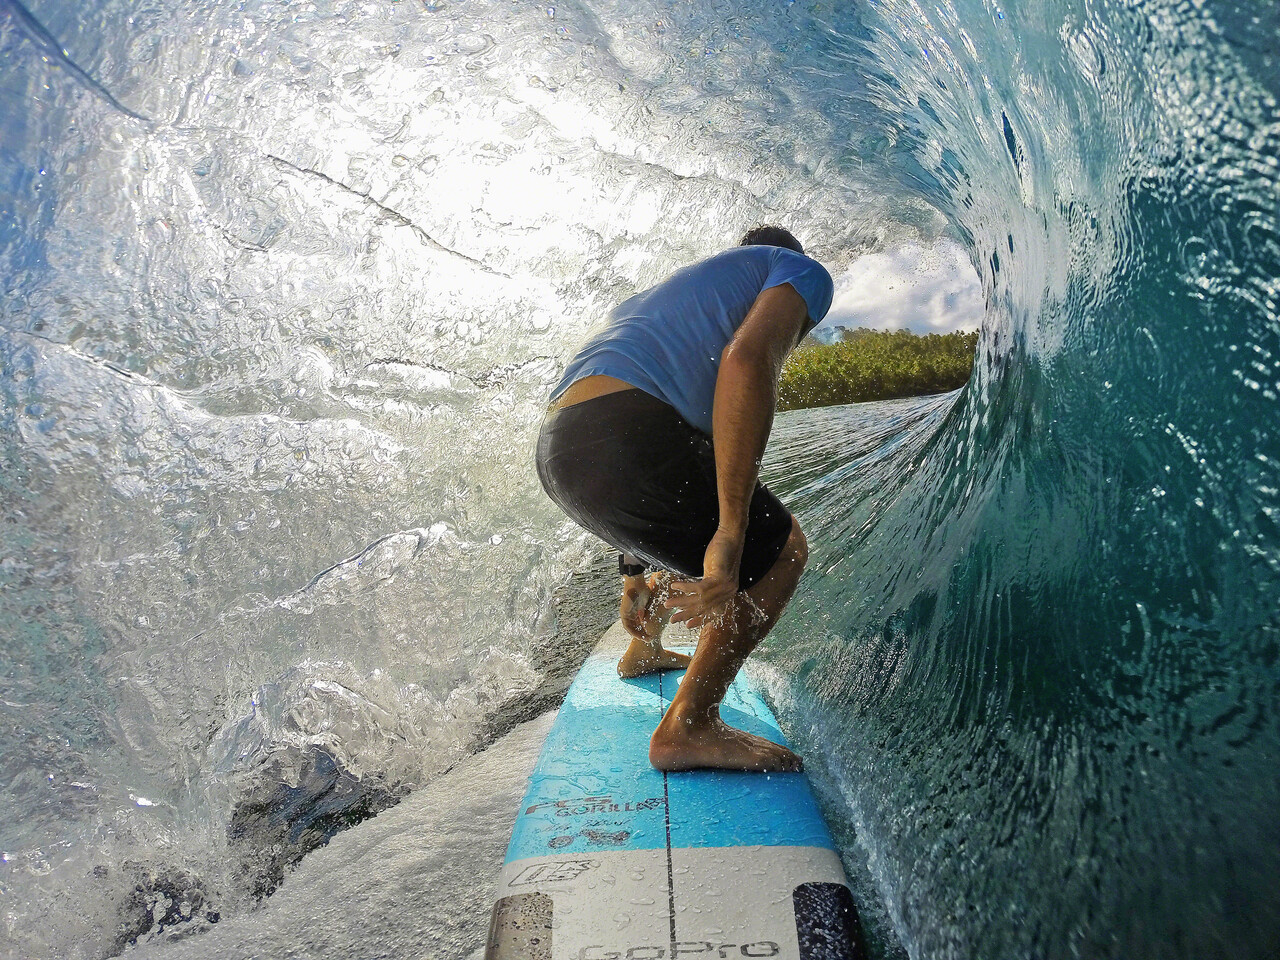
(286, 286)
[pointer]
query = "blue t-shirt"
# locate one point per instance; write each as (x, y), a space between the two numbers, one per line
(667, 340)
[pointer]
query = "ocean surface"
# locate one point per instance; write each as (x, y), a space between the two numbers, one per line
(286, 285)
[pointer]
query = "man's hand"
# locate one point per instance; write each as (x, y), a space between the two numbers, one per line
(708, 600)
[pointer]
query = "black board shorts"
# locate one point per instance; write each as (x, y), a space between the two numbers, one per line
(635, 473)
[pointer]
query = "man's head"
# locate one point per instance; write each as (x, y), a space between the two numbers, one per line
(771, 237)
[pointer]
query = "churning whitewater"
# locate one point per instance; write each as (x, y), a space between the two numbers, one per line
(287, 286)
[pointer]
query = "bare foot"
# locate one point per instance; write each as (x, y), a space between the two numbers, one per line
(679, 745)
(642, 657)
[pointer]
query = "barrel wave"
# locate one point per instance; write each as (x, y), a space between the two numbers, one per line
(287, 286)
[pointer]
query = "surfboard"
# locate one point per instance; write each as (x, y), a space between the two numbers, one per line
(611, 859)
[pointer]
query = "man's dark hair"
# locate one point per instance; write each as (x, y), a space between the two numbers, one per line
(771, 237)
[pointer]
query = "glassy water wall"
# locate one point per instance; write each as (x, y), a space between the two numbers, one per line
(286, 286)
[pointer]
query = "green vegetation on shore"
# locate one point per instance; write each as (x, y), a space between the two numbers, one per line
(875, 365)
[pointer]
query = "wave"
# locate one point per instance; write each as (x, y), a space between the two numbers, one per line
(1048, 663)
(272, 363)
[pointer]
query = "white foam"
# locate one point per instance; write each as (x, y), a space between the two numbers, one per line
(416, 881)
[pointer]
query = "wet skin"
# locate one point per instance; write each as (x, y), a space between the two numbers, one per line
(691, 734)
(645, 619)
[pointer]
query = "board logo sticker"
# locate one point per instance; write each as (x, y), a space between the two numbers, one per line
(683, 948)
(586, 806)
(561, 871)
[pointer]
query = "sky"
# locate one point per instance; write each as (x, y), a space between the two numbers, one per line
(926, 289)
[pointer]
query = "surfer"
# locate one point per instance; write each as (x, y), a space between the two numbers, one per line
(653, 442)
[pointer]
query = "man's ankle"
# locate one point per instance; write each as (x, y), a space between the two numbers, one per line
(690, 715)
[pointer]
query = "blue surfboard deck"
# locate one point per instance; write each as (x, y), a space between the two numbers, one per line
(611, 859)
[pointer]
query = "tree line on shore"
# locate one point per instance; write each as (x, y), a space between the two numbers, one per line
(863, 365)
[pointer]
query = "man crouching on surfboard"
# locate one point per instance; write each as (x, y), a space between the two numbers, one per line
(653, 442)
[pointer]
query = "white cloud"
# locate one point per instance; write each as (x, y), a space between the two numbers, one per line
(924, 289)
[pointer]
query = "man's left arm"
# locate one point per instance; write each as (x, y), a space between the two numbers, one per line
(746, 396)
